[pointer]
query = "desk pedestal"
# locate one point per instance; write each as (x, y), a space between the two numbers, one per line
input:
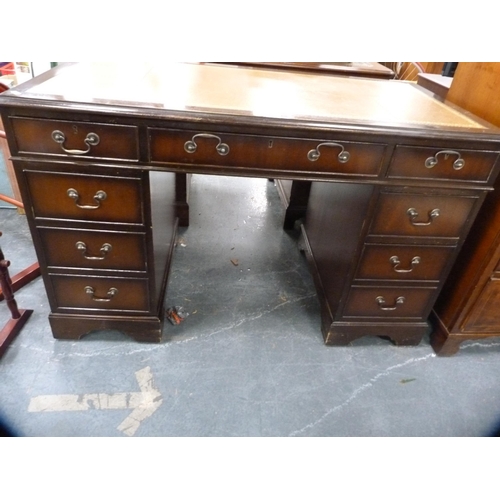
(375, 272)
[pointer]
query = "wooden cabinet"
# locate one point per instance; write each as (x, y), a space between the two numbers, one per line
(104, 254)
(380, 255)
(396, 179)
(469, 304)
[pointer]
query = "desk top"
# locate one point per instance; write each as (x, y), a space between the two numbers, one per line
(193, 91)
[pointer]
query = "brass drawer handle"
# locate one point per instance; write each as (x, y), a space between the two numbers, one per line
(92, 139)
(105, 249)
(394, 260)
(98, 197)
(433, 160)
(413, 214)
(381, 301)
(191, 146)
(111, 293)
(343, 156)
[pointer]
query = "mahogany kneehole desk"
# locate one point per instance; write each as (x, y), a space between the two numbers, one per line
(398, 178)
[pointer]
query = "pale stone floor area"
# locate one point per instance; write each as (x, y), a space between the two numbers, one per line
(249, 360)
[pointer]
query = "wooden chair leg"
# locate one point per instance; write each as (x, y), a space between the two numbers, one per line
(19, 316)
(28, 274)
(22, 278)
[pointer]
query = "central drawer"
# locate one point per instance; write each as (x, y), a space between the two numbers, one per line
(85, 197)
(66, 247)
(95, 293)
(261, 152)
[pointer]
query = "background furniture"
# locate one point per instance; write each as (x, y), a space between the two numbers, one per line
(9, 285)
(19, 316)
(8, 164)
(469, 305)
(366, 69)
(33, 271)
(398, 178)
(437, 84)
(406, 70)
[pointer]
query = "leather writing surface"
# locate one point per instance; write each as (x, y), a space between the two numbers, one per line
(251, 92)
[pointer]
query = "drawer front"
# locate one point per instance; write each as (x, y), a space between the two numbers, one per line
(85, 197)
(403, 263)
(76, 139)
(100, 293)
(386, 302)
(435, 163)
(418, 215)
(191, 147)
(93, 249)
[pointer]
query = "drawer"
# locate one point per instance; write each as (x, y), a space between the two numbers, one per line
(436, 163)
(76, 248)
(418, 215)
(85, 197)
(404, 263)
(76, 139)
(95, 293)
(388, 302)
(246, 151)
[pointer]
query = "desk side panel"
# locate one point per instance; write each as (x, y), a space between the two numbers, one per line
(334, 224)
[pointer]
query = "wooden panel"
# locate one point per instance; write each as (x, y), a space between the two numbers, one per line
(63, 248)
(334, 223)
(444, 163)
(475, 88)
(393, 262)
(433, 67)
(485, 313)
(115, 141)
(49, 195)
(259, 152)
(393, 215)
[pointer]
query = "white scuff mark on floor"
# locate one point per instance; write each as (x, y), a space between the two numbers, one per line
(358, 391)
(236, 324)
(479, 344)
(143, 403)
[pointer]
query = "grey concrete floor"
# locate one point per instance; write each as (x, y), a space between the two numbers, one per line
(249, 360)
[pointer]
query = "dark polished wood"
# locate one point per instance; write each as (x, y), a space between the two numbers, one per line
(394, 174)
(23, 278)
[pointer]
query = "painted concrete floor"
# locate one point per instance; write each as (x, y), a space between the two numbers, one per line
(248, 361)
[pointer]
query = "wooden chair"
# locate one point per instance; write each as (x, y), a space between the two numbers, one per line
(19, 316)
(9, 286)
(405, 70)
